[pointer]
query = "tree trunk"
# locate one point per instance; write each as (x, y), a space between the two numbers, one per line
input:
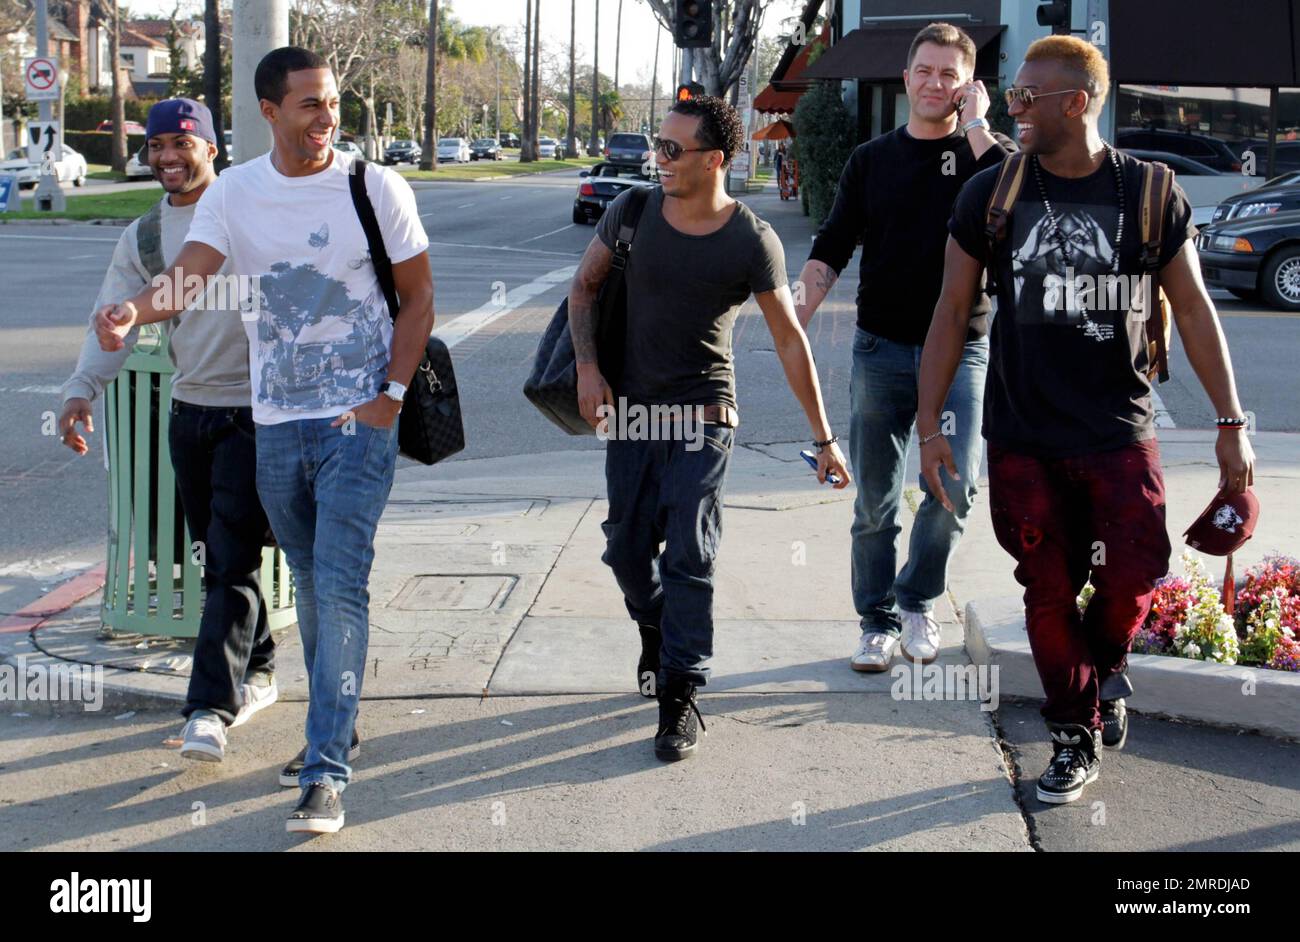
(212, 75)
(526, 152)
(571, 134)
(618, 43)
(593, 146)
(536, 97)
(117, 107)
(429, 144)
(654, 77)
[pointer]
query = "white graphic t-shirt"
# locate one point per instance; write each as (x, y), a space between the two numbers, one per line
(319, 333)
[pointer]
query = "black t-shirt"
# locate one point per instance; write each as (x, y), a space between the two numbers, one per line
(1067, 359)
(683, 294)
(896, 192)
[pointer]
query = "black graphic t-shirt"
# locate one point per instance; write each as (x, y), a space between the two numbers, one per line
(1068, 354)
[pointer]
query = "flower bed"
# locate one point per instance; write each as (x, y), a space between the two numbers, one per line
(1187, 617)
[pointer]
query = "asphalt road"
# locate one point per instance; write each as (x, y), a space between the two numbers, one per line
(510, 241)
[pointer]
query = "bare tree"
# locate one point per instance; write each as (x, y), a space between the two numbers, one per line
(571, 133)
(735, 34)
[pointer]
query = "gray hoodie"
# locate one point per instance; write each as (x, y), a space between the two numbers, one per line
(208, 347)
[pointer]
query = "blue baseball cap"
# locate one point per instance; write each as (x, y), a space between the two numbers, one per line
(181, 116)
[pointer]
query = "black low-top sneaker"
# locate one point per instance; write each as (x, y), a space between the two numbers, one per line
(289, 774)
(1075, 763)
(678, 736)
(647, 668)
(320, 811)
(1114, 724)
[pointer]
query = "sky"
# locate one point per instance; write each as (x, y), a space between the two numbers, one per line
(639, 26)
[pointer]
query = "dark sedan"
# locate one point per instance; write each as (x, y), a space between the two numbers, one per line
(403, 152)
(600, 185)
(1254, 257)
(628, 150)
(485, 149)
(1279, 195)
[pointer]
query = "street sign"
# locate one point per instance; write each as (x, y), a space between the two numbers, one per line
(41, 78)
(9, 195)
(740, 168)
(44, 137)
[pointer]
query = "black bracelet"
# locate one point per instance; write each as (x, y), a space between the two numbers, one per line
(830, 441)
(1229, 422)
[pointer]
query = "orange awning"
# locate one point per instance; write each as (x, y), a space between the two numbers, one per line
(781, 96)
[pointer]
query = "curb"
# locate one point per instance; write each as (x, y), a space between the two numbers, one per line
(62, 598)
(61, 221)
(1241, 697)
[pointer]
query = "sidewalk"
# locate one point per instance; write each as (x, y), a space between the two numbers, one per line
(500, 710)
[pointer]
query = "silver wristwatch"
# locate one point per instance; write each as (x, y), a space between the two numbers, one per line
(393, 390)
(975, 123)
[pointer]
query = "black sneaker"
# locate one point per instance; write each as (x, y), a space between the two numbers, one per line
(1114, 723)
(1075, 763)
(677, 736)
(647, 668)
(320, 811)
(289, 774)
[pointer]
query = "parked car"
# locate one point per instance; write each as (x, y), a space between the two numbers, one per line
(137, 168)
(485, 148)
(631, 150)
(405, 152)
(453, 149)
(1254, 257)
(1279, 195)
(132, 127)
(349, 148)
(600, 185)
(509, 140)
(1208, 150)
(71, 167)
(1180, 165)
(548, 148)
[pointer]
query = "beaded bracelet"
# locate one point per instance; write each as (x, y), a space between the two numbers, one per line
(1231, 423)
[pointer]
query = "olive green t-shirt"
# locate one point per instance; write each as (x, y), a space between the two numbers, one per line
(683, 294)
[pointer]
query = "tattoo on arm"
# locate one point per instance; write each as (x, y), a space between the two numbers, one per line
(826, 279)
(591, 274)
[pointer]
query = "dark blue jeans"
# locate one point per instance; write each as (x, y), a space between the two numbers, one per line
(883, 395)
(215, 458)
(665, 492)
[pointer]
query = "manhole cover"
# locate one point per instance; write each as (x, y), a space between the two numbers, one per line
(466, 593)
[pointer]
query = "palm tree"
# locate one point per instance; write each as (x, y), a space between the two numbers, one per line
(527, 153)
(429, 153)
(535, 125)
(212, 74)
(618, 42)
(593, 146)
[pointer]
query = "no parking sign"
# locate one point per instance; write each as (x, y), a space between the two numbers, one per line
(41, 78)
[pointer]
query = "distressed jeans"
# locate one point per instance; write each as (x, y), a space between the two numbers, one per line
(883, 402)
(324, 491)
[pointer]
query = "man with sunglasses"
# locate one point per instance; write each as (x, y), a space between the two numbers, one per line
(896, 194)
(1075, 487)
(696, 257)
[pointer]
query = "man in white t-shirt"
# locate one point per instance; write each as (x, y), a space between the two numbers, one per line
(329, 369)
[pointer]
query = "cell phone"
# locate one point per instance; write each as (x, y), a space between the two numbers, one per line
(808, 456)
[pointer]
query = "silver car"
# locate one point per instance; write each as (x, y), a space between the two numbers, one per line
(71, 167)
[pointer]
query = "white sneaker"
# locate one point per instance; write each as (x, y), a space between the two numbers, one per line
(255, 698)
(205, 737)
(921, 640)
(875, 651)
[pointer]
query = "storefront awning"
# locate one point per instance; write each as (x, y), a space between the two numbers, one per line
(1204, 42)
(873, 54)
(782, 95)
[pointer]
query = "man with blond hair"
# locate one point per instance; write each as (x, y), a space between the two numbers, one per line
(1075, 486)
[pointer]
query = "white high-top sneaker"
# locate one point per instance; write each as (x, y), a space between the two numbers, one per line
(921, 639)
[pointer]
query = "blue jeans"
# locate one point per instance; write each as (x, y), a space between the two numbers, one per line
(323, 491)
(883, 391)
(663, 492)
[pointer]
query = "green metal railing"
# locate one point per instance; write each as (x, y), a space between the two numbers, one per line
(153, 583)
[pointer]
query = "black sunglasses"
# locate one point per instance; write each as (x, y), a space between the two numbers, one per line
(671, 150)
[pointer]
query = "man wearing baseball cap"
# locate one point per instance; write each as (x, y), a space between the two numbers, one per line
(210, 432)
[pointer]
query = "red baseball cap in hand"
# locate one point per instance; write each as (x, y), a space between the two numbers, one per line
(1225, 525)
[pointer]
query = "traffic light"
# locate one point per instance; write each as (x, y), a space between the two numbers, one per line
(693, 23)
(689, 90)
(1055, 14)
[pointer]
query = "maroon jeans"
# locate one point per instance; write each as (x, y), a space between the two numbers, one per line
(1068, 520)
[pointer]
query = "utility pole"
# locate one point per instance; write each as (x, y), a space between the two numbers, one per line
(593, 146)
(259, 26)
(49, 195)
(571, 147)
